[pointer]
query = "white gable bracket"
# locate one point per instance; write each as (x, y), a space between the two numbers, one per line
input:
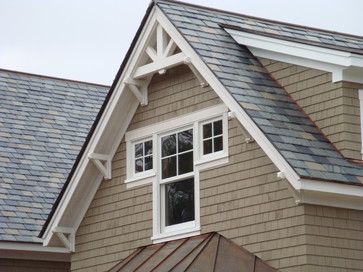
(138, 89)
(103, 163)
(66, 236)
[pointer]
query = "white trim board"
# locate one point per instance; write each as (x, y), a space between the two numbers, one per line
(344, 66)
(111, 128)
(118, 114)
(360, 95)
(176, 122)
(31, 251)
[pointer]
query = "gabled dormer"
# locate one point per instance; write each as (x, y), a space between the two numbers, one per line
(196, 136)
(322, 71)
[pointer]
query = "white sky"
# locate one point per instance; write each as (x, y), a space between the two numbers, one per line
(87, 39)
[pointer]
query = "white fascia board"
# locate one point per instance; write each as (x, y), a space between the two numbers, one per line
(330, 194)
(31, 247)
(337, 62)
(99, 132)
(332, 187)
(280, 162)
(229, 101)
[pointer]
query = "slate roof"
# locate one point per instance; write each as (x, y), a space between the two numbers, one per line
(206, 252)
(293, 134)
(43, 124)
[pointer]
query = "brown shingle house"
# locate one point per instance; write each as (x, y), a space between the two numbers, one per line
(225, 142)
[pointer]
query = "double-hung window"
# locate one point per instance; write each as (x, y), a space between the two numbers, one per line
(170, 155)
(176, 183)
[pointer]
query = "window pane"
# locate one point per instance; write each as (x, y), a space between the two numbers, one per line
(207, 146)
(218, 144)
(185, 163)
(179, 202)
(168, 145)
(148, 163)
(138, 150)
(138, 165)
(168, 167)
(148, 148)
(207, 130)
(217, 127)
(185, 140)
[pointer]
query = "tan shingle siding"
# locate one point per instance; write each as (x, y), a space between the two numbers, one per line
(119, 219)
(243, 200)
(334, 107)
(334, 237)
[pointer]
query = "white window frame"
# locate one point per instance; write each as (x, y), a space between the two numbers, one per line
(219, 155)
(186, 226)
(360, 95)
(141, 177)
(156, 131)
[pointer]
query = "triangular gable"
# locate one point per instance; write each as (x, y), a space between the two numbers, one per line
(159, 45)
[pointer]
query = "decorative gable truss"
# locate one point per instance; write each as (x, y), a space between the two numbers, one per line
(161, 53)
(160, 47)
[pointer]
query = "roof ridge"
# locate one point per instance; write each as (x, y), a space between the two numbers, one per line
(53, 77)
(258, 18)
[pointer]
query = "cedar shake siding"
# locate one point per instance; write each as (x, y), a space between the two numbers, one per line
(16, 265)
(242, 200)
(334, 107)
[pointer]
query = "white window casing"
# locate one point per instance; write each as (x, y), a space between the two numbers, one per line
(194, 121)
(360, 94)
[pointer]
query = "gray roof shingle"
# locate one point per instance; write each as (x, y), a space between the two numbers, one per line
(43, 124)
(294, 135)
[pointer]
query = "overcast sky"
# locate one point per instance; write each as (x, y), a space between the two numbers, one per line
(87, 39)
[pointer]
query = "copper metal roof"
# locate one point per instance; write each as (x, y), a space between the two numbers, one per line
(207, 252)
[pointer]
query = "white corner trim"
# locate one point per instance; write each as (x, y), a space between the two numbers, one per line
(343, 65)
(360, 94)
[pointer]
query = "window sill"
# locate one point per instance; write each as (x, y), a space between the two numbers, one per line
(140, 180)
(164, 237)
(206, 163)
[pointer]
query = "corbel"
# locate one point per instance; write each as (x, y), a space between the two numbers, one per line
(139, 89)
(103, 163)
(67, 236)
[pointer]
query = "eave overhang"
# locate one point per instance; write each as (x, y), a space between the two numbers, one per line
(344, 65)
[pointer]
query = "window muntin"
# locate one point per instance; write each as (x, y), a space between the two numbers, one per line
(177, 154)
(143, 156)
(168, 221)
(177, 180)
(212, 137)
